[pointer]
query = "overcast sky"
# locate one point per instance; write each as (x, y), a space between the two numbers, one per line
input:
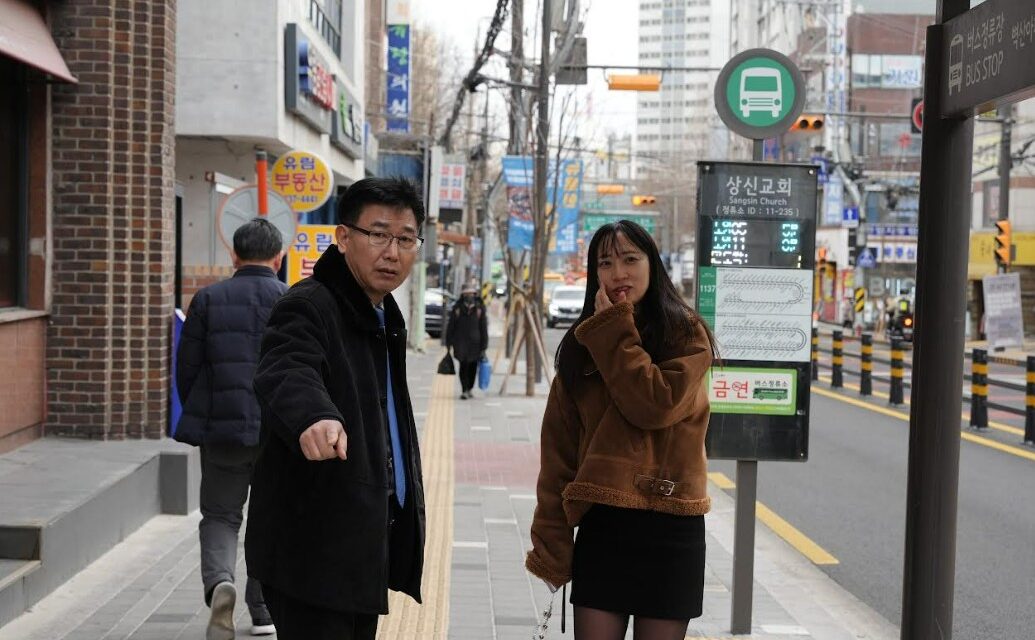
(611, 32)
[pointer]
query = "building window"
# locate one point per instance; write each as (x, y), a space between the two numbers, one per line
(13, 191)
(325, 15)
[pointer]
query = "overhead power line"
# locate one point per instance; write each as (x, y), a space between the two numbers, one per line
(483, 56)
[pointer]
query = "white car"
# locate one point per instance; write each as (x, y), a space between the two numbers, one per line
(565, 305)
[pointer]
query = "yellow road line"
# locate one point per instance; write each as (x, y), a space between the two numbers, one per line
(406, 619)
(720, 480)
(998, 426)
(779, 526)
(970, 437)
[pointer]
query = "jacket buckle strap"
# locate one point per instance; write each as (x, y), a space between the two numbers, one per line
(656, 485)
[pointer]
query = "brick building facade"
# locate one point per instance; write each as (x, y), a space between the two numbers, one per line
(92, 330)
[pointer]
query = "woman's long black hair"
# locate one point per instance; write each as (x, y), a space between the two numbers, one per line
(663, 317)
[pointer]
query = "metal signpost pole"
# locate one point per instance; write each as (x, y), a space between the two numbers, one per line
(934, 442)
(744, 521)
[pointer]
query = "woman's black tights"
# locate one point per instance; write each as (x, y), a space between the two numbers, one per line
(594, 624)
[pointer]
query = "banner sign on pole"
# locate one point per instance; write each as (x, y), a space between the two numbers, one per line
(518, 176)
(756, 256)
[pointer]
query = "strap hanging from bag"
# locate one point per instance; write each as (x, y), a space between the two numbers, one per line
(540, 630)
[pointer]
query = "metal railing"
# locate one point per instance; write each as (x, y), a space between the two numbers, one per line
(978, 378)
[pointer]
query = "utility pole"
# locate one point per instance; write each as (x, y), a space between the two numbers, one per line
(517, 54)
(541, 157)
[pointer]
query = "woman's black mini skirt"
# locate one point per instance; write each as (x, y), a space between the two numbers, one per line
(639, 563)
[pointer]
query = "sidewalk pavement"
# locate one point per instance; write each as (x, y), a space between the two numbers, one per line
(481, 462)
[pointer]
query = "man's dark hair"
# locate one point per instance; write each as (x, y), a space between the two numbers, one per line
(257, 241)
(392, 192)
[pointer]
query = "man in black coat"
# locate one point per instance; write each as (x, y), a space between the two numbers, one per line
(336, 516)
(216, 361)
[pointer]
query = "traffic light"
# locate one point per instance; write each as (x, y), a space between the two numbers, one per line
(808, 124)
(1002, 243)
(637, 82)
(640, 201)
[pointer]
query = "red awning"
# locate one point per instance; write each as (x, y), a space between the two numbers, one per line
(25, 36)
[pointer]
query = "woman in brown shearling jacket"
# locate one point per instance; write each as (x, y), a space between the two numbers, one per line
(623, 454)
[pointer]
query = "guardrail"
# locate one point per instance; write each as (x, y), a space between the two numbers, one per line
(978, 378)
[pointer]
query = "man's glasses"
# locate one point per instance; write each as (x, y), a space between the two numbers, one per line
(383, 239)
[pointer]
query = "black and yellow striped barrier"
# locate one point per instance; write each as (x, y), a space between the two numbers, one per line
(898, 373)
(815, 353)
(979, 389)
(1029, 403)
(837, 379)
(866, 374)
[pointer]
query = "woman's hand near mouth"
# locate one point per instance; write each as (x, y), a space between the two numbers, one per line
(603, 302)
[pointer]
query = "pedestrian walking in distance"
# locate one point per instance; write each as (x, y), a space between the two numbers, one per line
(216, 360)
(622, 447)
(336, 517)
(467, 335)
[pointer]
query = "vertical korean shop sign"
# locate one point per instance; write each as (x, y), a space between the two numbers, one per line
(397, 96)
(302, 179)
(756, 255)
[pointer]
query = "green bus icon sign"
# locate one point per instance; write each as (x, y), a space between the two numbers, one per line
(759, 93)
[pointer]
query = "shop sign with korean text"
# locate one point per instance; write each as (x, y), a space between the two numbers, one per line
(451, 182)
(347, 125)
(308, 81)
(303, 179)
(755, 261)
(397, 96)
(310, 241)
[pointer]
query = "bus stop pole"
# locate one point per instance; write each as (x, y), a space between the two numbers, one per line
(744, 523)
(934, 439)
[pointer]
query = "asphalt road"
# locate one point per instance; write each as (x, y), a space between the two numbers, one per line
(850, 498)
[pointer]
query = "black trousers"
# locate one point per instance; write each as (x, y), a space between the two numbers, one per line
(297, 620)
(468, 374)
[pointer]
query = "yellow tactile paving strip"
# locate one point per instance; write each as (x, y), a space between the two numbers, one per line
(406, 619)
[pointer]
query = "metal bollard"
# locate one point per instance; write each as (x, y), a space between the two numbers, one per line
(837, 377)
(979, 389)
(898, 372)
(1029, 404)
(815, 353)
(866, 374)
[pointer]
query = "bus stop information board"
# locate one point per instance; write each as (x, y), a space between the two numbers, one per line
(989, 52)
(756, 238)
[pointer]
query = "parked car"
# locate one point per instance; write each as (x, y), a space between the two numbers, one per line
(437, 303)
(565, 305)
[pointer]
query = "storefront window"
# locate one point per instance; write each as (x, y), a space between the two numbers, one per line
(12, 167)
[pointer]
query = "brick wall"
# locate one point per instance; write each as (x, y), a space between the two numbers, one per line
(197, 277)
(113, 181)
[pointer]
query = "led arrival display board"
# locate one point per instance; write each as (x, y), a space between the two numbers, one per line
(756, 256)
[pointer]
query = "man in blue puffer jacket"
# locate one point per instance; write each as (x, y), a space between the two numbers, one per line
(216, 361)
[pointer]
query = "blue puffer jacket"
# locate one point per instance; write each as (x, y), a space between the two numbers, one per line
(217, 357)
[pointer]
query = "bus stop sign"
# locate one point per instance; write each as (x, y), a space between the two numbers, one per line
(759, 93)
(988, 52)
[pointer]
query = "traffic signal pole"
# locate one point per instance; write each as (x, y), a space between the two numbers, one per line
(1005, 163)
(934, 441)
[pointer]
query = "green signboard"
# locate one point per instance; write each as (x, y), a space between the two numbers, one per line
(759, 93)
(593, 221)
